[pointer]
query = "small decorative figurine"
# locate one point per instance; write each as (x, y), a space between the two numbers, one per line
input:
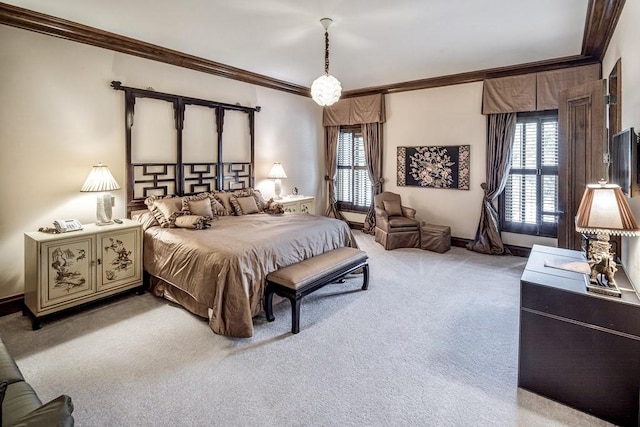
(295, 191)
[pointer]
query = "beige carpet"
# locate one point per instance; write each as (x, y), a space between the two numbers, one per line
(433, 341)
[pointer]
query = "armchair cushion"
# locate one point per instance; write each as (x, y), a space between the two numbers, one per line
(403, 222)
(392, 207)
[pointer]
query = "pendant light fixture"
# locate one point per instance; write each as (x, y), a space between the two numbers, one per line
(326, 89)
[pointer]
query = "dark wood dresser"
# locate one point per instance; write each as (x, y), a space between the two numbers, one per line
(576, 347)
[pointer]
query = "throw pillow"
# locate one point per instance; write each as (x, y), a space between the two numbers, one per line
(259, 198)
(198, 205)
(393, 207)
(217, 208)
(147, 220)
(244, 205)
(223, 198)
(194, 222)
(165, 209)
(254, 193)
(272, 207)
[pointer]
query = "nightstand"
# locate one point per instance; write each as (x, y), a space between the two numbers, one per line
(65, 270)
(304, 204)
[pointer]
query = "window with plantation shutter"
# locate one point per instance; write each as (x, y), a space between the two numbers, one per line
(529, 203)
(353, 186)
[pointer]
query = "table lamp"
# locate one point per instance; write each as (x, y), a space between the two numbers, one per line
(100, 180)
(604, 211)
(277, 173)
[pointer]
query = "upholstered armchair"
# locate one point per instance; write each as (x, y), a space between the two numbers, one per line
(396, 226)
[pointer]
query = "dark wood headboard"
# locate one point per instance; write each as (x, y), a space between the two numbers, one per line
(178, 177)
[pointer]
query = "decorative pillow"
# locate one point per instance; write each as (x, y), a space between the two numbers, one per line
(392, 207)
(217, 208)
(272, 207)
(223, 197)
(259, 198)
(195, 222)
(147, 220)
(165, 209)
(198, 205)
(253, 193)
(244, 205)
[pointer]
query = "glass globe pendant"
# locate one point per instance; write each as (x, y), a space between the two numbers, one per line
(326, 89)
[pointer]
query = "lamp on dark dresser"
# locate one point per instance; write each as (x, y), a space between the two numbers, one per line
(577, 347)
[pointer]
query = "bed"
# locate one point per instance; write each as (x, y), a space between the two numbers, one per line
(217, 272)
(220, 272)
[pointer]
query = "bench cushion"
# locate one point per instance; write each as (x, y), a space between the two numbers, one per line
(298, 275)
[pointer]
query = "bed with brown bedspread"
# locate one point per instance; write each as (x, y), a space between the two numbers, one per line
(220, 272)
(181, 145)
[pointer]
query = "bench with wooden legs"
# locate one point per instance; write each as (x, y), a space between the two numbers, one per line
(297, 280)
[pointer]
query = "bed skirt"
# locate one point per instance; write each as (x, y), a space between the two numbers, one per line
(160, 288)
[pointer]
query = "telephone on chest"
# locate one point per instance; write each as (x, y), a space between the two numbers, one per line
(64, 225)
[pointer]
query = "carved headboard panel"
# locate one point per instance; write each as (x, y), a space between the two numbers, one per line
(147, 176)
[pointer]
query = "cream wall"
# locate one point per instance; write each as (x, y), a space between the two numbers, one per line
(440, 116)
(59, 116)
(447, 115)
(624, 45)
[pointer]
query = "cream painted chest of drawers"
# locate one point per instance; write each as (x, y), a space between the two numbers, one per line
(69, 269)
(303, 204)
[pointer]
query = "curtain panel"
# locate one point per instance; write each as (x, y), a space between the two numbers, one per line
(501, 129)
(369, 112)
(331, 134)
(534, 91)
(372, 134)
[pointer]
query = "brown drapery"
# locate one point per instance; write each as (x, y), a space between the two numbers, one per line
(355, 111)
(372, 136)
(369, 112)
(331, 164)
(501, 129)
(534, 91)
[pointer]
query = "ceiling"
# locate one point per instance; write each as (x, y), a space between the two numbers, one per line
(372, 42)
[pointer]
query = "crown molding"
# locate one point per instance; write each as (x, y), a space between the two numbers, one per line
(475, 76)
(52, 26)
(601, 20)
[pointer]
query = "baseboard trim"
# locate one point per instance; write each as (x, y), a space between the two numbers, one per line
(515, 250)
(462, 243)
(11, 305)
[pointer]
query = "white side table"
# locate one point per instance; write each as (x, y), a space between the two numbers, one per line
(303, 204)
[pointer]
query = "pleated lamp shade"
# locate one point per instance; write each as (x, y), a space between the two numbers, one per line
(277, 171)
(604, 210)
(100, 179)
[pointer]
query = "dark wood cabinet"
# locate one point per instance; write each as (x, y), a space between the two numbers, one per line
(576, 347)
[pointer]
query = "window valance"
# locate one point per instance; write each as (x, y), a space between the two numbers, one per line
(535, 91)
(355, 111)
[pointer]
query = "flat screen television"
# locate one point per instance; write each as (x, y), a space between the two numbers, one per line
(624, 161)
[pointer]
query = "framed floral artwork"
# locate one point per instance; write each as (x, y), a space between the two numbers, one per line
(445, 166)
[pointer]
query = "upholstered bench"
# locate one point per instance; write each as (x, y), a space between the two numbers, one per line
(297, 280)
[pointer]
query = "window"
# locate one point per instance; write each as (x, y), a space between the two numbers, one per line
(529, 203)
(353, 186)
